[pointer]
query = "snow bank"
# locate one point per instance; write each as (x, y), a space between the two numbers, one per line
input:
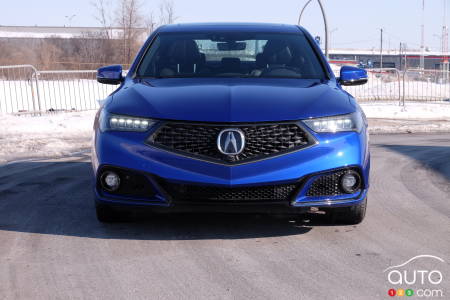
(44, 136)
(411, 111)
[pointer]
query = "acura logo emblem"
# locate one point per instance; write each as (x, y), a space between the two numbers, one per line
(231, 141)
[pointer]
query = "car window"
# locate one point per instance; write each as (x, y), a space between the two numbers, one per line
(232, 54)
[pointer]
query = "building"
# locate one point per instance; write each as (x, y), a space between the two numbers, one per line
(391, 58)
(42, 32)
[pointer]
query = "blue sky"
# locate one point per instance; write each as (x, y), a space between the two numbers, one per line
(356, 23)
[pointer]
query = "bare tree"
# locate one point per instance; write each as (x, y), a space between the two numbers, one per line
(150, 23)
(130, 21)
(167, 12)
(48, 54)
(104, 16)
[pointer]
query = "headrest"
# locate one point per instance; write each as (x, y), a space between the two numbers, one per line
(184, 51)
(281, 57)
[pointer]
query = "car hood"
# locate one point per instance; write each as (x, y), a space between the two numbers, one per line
(230, 100)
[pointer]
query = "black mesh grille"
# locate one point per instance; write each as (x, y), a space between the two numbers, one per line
(327, 185)
(200, 140)
(211, 194)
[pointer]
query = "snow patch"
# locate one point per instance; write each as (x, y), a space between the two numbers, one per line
(411, 111)
(61, 134)
(50, 135)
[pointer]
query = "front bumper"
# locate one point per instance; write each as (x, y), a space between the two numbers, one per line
(332, 152)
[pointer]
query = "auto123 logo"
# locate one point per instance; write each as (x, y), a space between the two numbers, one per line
(420, 276)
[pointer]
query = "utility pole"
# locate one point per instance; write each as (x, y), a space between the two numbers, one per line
(422, 43)
(445, 63)
(381, 48)
(405, 47)
(403, 57)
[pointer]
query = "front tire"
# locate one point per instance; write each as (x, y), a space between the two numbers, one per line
(106, 214)
(350, 216)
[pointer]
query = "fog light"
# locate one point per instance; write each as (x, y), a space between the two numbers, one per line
(350, 182)
(110, 181)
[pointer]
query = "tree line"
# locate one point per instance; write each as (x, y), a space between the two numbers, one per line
(123, 24)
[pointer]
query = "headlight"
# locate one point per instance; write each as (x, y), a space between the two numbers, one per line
(350, 122)
(124, 123)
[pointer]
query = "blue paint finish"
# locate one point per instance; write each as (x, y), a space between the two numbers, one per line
(353, 75)
(231, 100)
(110, 74)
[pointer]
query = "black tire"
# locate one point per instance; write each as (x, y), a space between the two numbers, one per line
(107, 214)
(350, 216)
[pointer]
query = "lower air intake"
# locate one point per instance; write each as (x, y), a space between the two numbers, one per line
(195, 193)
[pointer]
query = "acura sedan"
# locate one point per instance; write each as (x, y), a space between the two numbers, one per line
(231, 117)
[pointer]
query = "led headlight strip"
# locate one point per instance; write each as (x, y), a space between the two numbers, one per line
(350, 122)
(124, 123)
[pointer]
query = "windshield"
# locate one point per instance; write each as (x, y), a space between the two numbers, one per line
(232, 54)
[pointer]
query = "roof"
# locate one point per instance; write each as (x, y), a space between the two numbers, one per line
(252, 27)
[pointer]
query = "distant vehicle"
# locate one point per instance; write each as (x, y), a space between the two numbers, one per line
(362, 65)
(255, 121)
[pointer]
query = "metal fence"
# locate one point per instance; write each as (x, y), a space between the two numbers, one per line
(383, 84)
(25, 89)
(426, 85)
(71, 90)
(410, 85)
(18, 89)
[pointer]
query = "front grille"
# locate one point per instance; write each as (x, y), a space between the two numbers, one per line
(327, 185)
(200, 140)
(214, 194)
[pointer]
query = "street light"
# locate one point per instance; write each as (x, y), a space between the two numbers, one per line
(324, 21)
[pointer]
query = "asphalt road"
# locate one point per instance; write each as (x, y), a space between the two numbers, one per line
(51, 245)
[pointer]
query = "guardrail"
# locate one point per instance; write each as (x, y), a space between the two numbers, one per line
(25, 89)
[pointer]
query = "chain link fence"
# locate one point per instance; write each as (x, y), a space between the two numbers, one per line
(24, 89)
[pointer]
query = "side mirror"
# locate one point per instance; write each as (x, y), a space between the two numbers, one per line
(353, 76)
(110, 75)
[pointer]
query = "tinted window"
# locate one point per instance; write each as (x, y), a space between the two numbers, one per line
(233, 54)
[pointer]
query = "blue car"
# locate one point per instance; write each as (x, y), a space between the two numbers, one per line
(231, 117)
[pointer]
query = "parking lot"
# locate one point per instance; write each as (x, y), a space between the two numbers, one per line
(51, 245)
